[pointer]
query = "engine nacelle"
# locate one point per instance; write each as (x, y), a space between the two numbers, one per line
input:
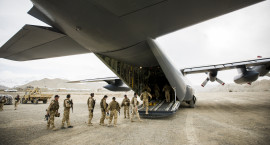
(213, 76)
(246, 77)
(261, 69)
(117, 88)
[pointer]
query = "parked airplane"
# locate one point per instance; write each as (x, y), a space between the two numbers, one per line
(122, 34)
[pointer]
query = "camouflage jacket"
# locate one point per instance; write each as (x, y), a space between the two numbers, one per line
(54, 105)
(114, 105)
(103, 104)
(67, 104)
(134, 102)
(91, 103)
(125, 102)
(145, 95)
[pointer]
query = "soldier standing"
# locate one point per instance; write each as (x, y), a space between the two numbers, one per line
(2, 102)
(91, 106)
(126, 104)
(17, 100)
(52, 111)
(103, 107)
(144, 96)
(67, 105)
(157, 90)
(167, 90)
(113, 107)
(135, 104)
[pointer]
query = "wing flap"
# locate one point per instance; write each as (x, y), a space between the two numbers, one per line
(37, 42)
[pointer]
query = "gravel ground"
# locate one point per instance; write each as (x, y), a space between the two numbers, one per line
(219, 118)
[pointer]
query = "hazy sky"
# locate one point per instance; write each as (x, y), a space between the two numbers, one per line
(237, 36)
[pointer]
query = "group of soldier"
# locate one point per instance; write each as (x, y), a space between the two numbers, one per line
(109, 111)
(3, 100)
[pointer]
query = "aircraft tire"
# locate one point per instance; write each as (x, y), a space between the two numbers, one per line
(192, 102)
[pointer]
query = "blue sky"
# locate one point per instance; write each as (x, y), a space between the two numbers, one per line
(237, 36)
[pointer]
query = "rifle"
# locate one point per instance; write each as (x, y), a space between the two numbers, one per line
(47, 116)
(71, 103)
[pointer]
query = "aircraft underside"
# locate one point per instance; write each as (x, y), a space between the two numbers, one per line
(153, 79)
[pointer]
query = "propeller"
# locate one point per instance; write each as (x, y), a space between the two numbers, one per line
(212, 76)
(220, 81)
(205, 82)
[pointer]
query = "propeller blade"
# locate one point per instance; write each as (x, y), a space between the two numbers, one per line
(220, 81)
(205, 82)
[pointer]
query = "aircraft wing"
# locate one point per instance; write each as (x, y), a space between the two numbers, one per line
(107, 79)
(37, 42)
(226, 66)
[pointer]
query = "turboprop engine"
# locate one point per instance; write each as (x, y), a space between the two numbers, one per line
(212, 76)
(246, 75)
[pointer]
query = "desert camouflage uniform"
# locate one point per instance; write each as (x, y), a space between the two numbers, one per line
(52, 110)
(2, 102)
(114, 107)
(91, 106)
(135, 104)
(144, 97)
(126, 104)
(167, 90)
(67, 106)
(17, 100)
(103, 107)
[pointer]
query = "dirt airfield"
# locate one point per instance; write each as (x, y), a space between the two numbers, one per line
(219, 118)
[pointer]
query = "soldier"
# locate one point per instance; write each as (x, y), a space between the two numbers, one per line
(144, 96)
(67, 105)
(126, 104)
(91, 106)
(113, 107)
(135, 104)
(2, 102)
(53, 111)
(17, 100)
(157, 90)
(167, 90)
(103, 107)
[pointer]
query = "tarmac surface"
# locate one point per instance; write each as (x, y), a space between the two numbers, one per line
(219, 118)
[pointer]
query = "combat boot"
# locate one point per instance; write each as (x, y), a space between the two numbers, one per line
(70, 126)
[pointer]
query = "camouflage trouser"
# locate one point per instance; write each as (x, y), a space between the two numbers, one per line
(90, 117)
(51, 120)
(16, 104)
(167, 95)
(66, 117)
(1, 106)
(135, 112)
(126, 111)
(145, 105)
(103, 114)
(113, 114)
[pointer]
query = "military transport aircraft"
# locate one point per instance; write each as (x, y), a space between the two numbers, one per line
(122, 34)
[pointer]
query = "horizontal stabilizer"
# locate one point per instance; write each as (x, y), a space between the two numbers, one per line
(37, 42)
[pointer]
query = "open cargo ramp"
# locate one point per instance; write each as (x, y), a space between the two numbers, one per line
(160, 109)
